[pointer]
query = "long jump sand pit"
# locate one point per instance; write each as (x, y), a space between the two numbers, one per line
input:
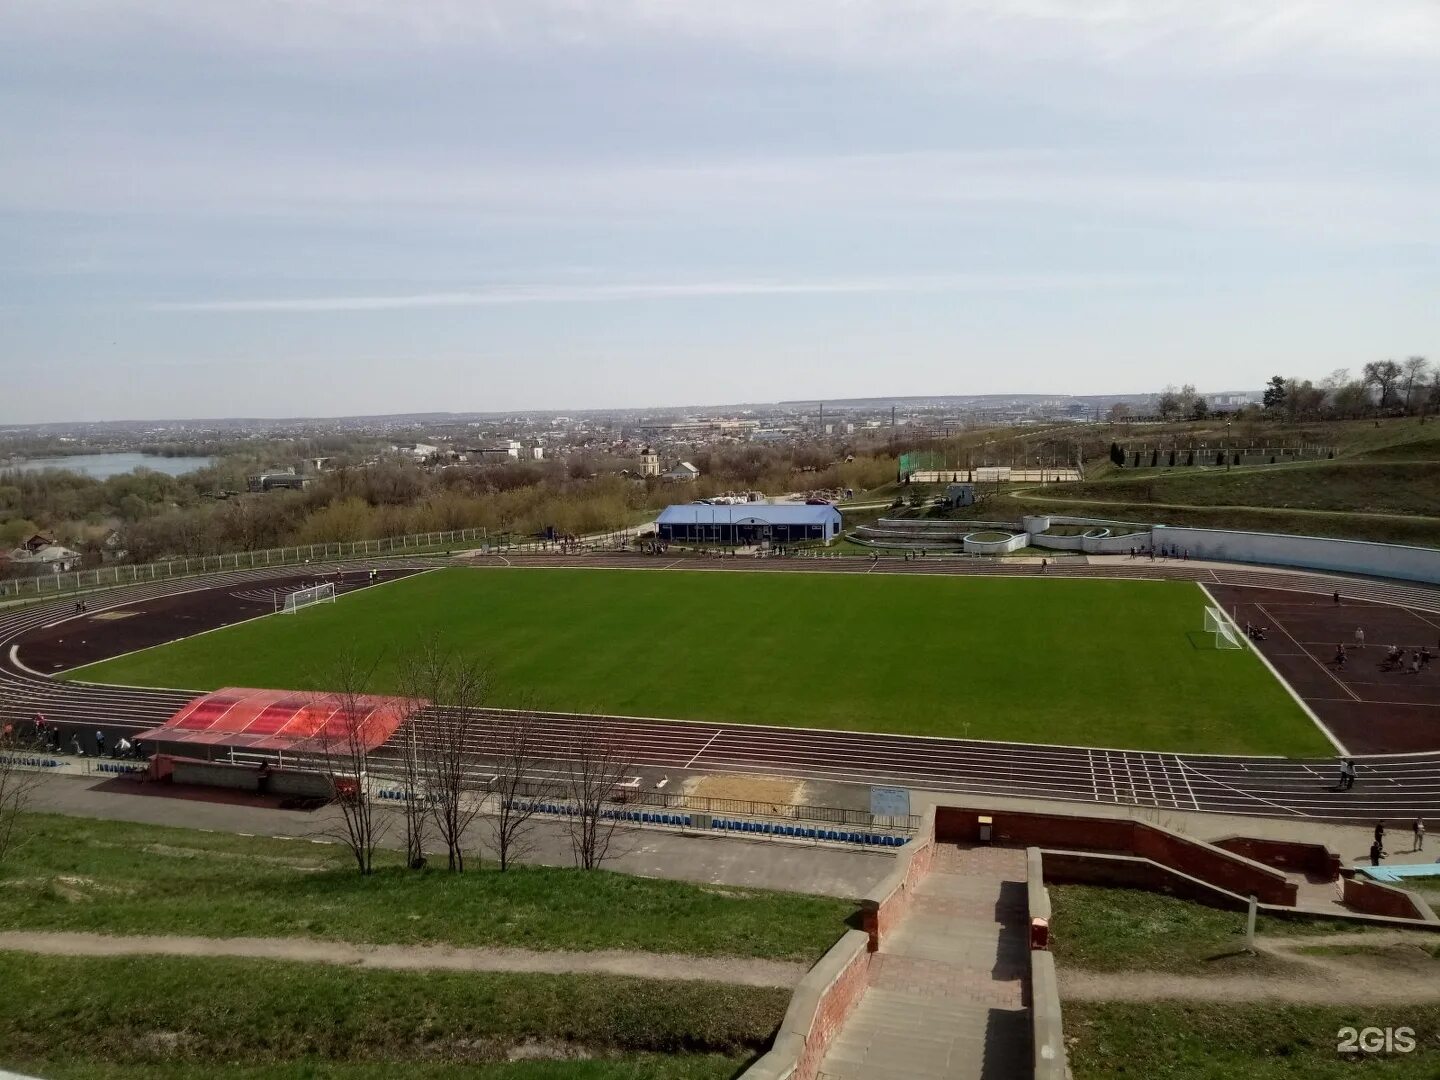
(777, 795)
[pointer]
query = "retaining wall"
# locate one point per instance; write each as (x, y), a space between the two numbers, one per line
(1047, 1029)
(1373, 898)
(818, 1009)
(888, 902)
(1121, 836)
(1310, 552)
(1314, 859)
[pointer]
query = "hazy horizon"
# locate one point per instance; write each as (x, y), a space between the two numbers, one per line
(360, 207)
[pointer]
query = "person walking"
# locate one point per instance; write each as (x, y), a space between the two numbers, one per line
(1377, 852)
(1347, 774)
(1359, 637)
(1419, 831)
(1380, 832)
(1337, 597)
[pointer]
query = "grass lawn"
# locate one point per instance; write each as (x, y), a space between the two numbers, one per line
(626, 1067)
(1106, 663)
(105, 876)
(143, 1011)
(1256, 1041)
(1103, 929)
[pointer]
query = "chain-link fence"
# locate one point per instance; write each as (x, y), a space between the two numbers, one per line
(48, 584)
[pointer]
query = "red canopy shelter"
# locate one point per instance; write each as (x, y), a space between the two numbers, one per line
(281, 719)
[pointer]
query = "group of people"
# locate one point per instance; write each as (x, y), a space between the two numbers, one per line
(1164, 551)
(81, 606)
(1395, 657)
(1255, 633)
(50, 737)
(1377, 846)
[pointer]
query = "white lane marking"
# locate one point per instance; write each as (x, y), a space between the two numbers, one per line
(718, 733)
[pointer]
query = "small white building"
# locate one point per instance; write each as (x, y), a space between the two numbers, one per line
(52, 558)
(683, 472)
(649, 462)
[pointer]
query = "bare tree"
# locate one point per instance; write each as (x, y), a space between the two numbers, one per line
(1384, 376)
(595, 766)
(415, 812)
(17, 783)
(342, 751)
(514, 745)
(449, 737)
(1415, 369)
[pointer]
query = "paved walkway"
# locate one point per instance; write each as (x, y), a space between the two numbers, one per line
(742, 971)
(947, 989)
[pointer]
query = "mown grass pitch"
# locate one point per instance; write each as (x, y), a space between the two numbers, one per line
(1102, 663)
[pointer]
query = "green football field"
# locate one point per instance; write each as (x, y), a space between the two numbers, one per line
(1101, 663)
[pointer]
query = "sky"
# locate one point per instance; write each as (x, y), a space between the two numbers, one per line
(329, 207)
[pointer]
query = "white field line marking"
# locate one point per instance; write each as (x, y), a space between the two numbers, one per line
(1186, 777)
(1094, 779)
(1243, 793)
(1313, 659)
(718, 733)
(1304, 705)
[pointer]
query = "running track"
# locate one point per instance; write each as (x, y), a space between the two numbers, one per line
(1390, 786)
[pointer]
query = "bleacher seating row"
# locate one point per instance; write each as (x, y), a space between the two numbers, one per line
(117, 767)
(764, 828)
(33, 762)
(391, 793)
(805, 832)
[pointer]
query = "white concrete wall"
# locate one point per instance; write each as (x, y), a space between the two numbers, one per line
(996, 547)
(1308, 552)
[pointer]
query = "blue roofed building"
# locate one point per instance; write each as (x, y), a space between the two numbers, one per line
(744, 524)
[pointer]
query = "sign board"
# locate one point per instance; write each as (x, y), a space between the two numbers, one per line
(889, 802)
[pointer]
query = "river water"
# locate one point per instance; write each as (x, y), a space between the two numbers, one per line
(104, 466)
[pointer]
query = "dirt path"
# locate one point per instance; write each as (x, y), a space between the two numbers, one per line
(742, 971)
(1396, 969)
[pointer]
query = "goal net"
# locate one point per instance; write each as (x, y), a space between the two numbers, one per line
(303, 598)
(1219, 624)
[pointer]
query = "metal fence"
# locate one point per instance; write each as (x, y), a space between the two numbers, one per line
(104, 577)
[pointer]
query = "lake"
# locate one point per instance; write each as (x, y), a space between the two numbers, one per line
(104, 466)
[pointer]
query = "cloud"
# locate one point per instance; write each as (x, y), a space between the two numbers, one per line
(646, 291)
(865, 32)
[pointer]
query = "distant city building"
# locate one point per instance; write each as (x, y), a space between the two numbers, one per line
(276, 481)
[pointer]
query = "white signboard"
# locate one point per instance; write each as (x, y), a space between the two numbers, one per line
(890, 802)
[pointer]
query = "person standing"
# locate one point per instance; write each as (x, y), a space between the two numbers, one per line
(1347, 774)
(1419, 830)
(1359, 637)
(1337, 597)
(1377, 852)
(1380, 833)
(99, 743)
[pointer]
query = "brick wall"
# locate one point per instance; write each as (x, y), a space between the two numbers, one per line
(1375, 899)
(214, 774)
(1286, 855)
(887, 904)
(1131, 872)
(1120, 836)
(818, 1009)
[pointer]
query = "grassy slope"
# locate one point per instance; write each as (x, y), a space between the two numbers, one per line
(138, 1010)
(1256, 1041)
(1104, 929)
(1103, 662)
(1383, 485)
(79, 874)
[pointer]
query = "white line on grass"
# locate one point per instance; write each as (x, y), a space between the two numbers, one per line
(1304, 706)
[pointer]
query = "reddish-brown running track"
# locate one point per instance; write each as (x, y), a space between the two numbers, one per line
(1393, 785)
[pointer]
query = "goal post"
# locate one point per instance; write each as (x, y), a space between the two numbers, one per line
(302, 598)
(1222, 628)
